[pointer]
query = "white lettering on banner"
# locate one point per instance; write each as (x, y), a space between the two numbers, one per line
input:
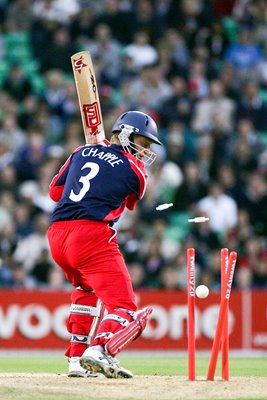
(173, 324)
(260, 339)
(178, 318)
(34, 321)
(209, 321)
(59, 317)
(160, 327)
(8, 321)
(41, 317)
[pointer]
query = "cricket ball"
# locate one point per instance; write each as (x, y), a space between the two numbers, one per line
(202, 291)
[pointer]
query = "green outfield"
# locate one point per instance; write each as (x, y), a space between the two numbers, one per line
(139, 365)
(44, 377)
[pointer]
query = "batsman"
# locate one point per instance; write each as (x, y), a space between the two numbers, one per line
(92, 189)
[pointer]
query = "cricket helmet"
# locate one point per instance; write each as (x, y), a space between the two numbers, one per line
(141, 123)
(133, 123)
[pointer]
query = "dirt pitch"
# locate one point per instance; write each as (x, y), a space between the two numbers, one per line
(26, 386)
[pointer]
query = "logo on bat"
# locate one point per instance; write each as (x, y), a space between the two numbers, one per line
(92, 116)
(93, 81)
(79, 64)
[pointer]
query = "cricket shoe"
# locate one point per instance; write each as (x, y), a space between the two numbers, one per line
(99, 362)
(76, 371)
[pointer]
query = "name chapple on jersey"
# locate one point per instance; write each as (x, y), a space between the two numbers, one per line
(110, 158)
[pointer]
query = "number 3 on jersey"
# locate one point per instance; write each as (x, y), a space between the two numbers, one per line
(85, 180)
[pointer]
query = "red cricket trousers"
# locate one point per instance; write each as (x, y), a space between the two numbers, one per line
(88, 253)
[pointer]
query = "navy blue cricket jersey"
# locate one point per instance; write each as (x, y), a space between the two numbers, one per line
(97, 183)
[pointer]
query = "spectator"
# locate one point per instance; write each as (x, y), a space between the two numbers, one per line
(228, 177)
(108, 51)
(137, 274)
(55, 96)
(58, 52)
(178, 48)
(205, 156)
(6, 207)
(20, 15)
(22, 219)
(178, 106)
(47, 10)
(8, 180)
(42, 269)
(243, 279)
(6, 155)
(243, 159)
(257, 197)
(216, 42)
(17, 83)
(153, 85)
(191, 190)
(28, 112)
(11, 135)
(56, 279)
(169, 278)
(82, 25)
(120, 21)
(246, 130)
(30, 157)
(20, 279)
(215, 110)
(220, 208)
(29, 248)
(153, 263)
(197, 80)
(245, 55)
(250, 105)
(8, 239)
(140, 51)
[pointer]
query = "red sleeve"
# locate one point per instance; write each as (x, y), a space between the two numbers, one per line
(139, 169)
(131, 201)
(55, 191)
(56, 186)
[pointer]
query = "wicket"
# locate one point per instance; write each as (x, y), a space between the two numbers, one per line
(228, 262)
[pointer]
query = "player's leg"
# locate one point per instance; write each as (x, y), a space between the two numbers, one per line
(94, 262)
(84, 311)
(121, 325)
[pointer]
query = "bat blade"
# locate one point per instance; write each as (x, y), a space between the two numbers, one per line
(88, 96)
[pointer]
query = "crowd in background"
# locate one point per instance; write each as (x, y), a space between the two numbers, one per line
(199, 68)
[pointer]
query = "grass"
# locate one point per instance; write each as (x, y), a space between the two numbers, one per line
(250, 375)
(139, 365)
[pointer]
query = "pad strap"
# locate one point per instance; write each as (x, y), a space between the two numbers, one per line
(117, 318)
(78, 338)
(85, 310)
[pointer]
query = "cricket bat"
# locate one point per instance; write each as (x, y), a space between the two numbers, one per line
(88, 96)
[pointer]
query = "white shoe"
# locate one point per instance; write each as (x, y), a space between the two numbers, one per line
(98, 361)
(76, 371)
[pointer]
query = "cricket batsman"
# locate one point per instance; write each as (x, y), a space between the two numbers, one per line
(93, 188)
